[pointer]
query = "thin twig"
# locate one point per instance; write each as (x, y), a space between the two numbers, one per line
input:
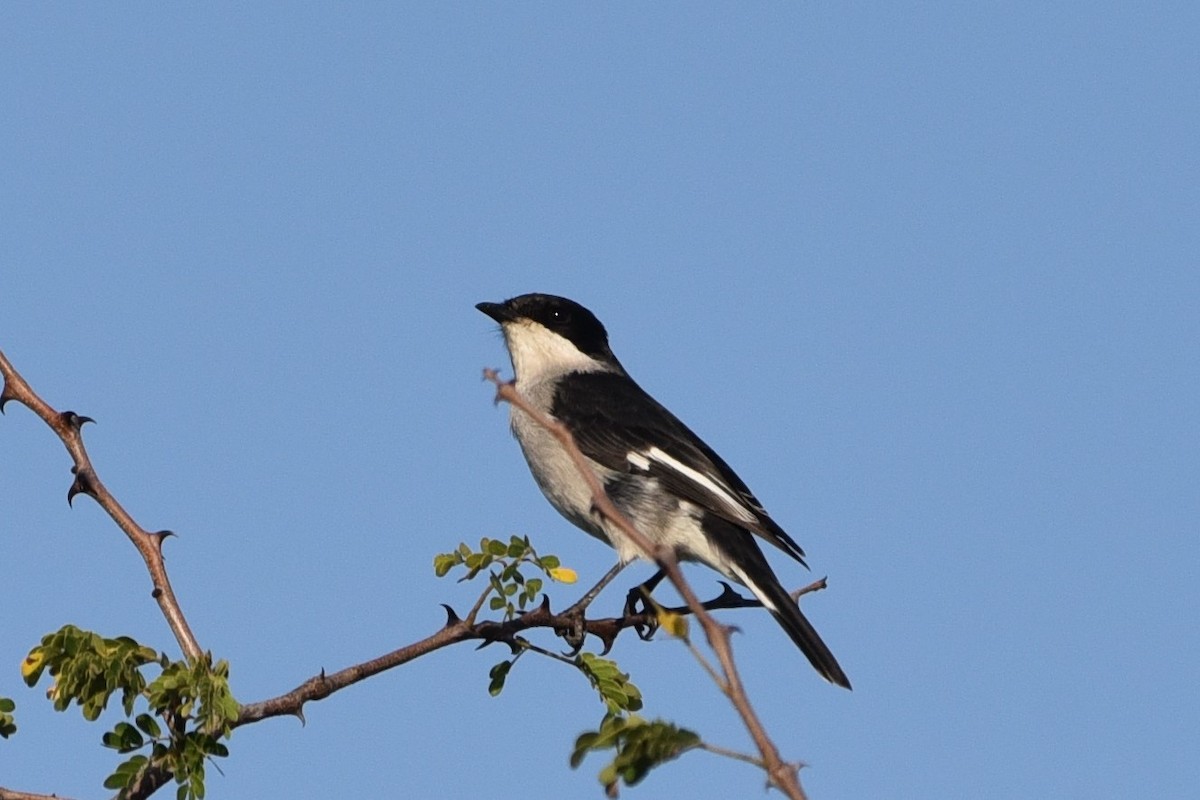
(541, 651)
(725, 752)
(779, 772)
(67, 426)
(474, 612)
(815, 586)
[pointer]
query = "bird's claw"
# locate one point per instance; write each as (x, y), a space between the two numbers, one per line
(639, 606)
(575, 634)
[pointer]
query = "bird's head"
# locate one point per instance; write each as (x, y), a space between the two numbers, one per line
(548, 335)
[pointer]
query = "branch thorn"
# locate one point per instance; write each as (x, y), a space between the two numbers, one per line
(73, 420)
(161, 536)
(81, 485)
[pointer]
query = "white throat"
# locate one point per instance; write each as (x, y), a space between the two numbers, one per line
(539, 353)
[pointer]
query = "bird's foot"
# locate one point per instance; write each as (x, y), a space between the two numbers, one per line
(574, 633)
(640, 606)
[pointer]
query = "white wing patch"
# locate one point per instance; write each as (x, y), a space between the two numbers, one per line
(714, 486)
(638, 460)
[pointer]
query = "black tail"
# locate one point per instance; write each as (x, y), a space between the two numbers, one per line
(789, 616)
(749, 567)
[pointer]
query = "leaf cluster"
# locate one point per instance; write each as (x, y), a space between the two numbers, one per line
(640, 745)
(88, 669)
(617, 692)
(513, 590)
(189, 705)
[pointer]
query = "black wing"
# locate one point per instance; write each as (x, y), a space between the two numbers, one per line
(617, 424)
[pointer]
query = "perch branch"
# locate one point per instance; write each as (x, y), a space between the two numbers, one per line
(455, 631)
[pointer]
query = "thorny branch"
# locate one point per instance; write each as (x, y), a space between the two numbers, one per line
(67, 425)
(779, 772)
(456, 630)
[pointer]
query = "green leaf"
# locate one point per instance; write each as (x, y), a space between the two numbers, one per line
(118, 780)
(125, 773)
(8, 725)
(584, 744)
(123, 738)
(498, 675)
(148, 725)
(497, 548)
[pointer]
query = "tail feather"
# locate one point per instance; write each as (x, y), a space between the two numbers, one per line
(808, 640)
(775, 598)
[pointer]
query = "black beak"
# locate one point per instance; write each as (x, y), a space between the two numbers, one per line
(497, 311)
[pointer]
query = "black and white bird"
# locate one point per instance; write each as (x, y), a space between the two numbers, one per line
(668, 482)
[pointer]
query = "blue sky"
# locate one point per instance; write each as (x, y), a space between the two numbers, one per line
(926, 277)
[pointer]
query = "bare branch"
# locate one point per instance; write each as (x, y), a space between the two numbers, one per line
(67, 426)
(10, 794)
(455, 631)
(779, 773)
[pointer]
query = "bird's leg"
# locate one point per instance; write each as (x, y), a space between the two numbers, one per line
(640, 594)
(575, 635)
